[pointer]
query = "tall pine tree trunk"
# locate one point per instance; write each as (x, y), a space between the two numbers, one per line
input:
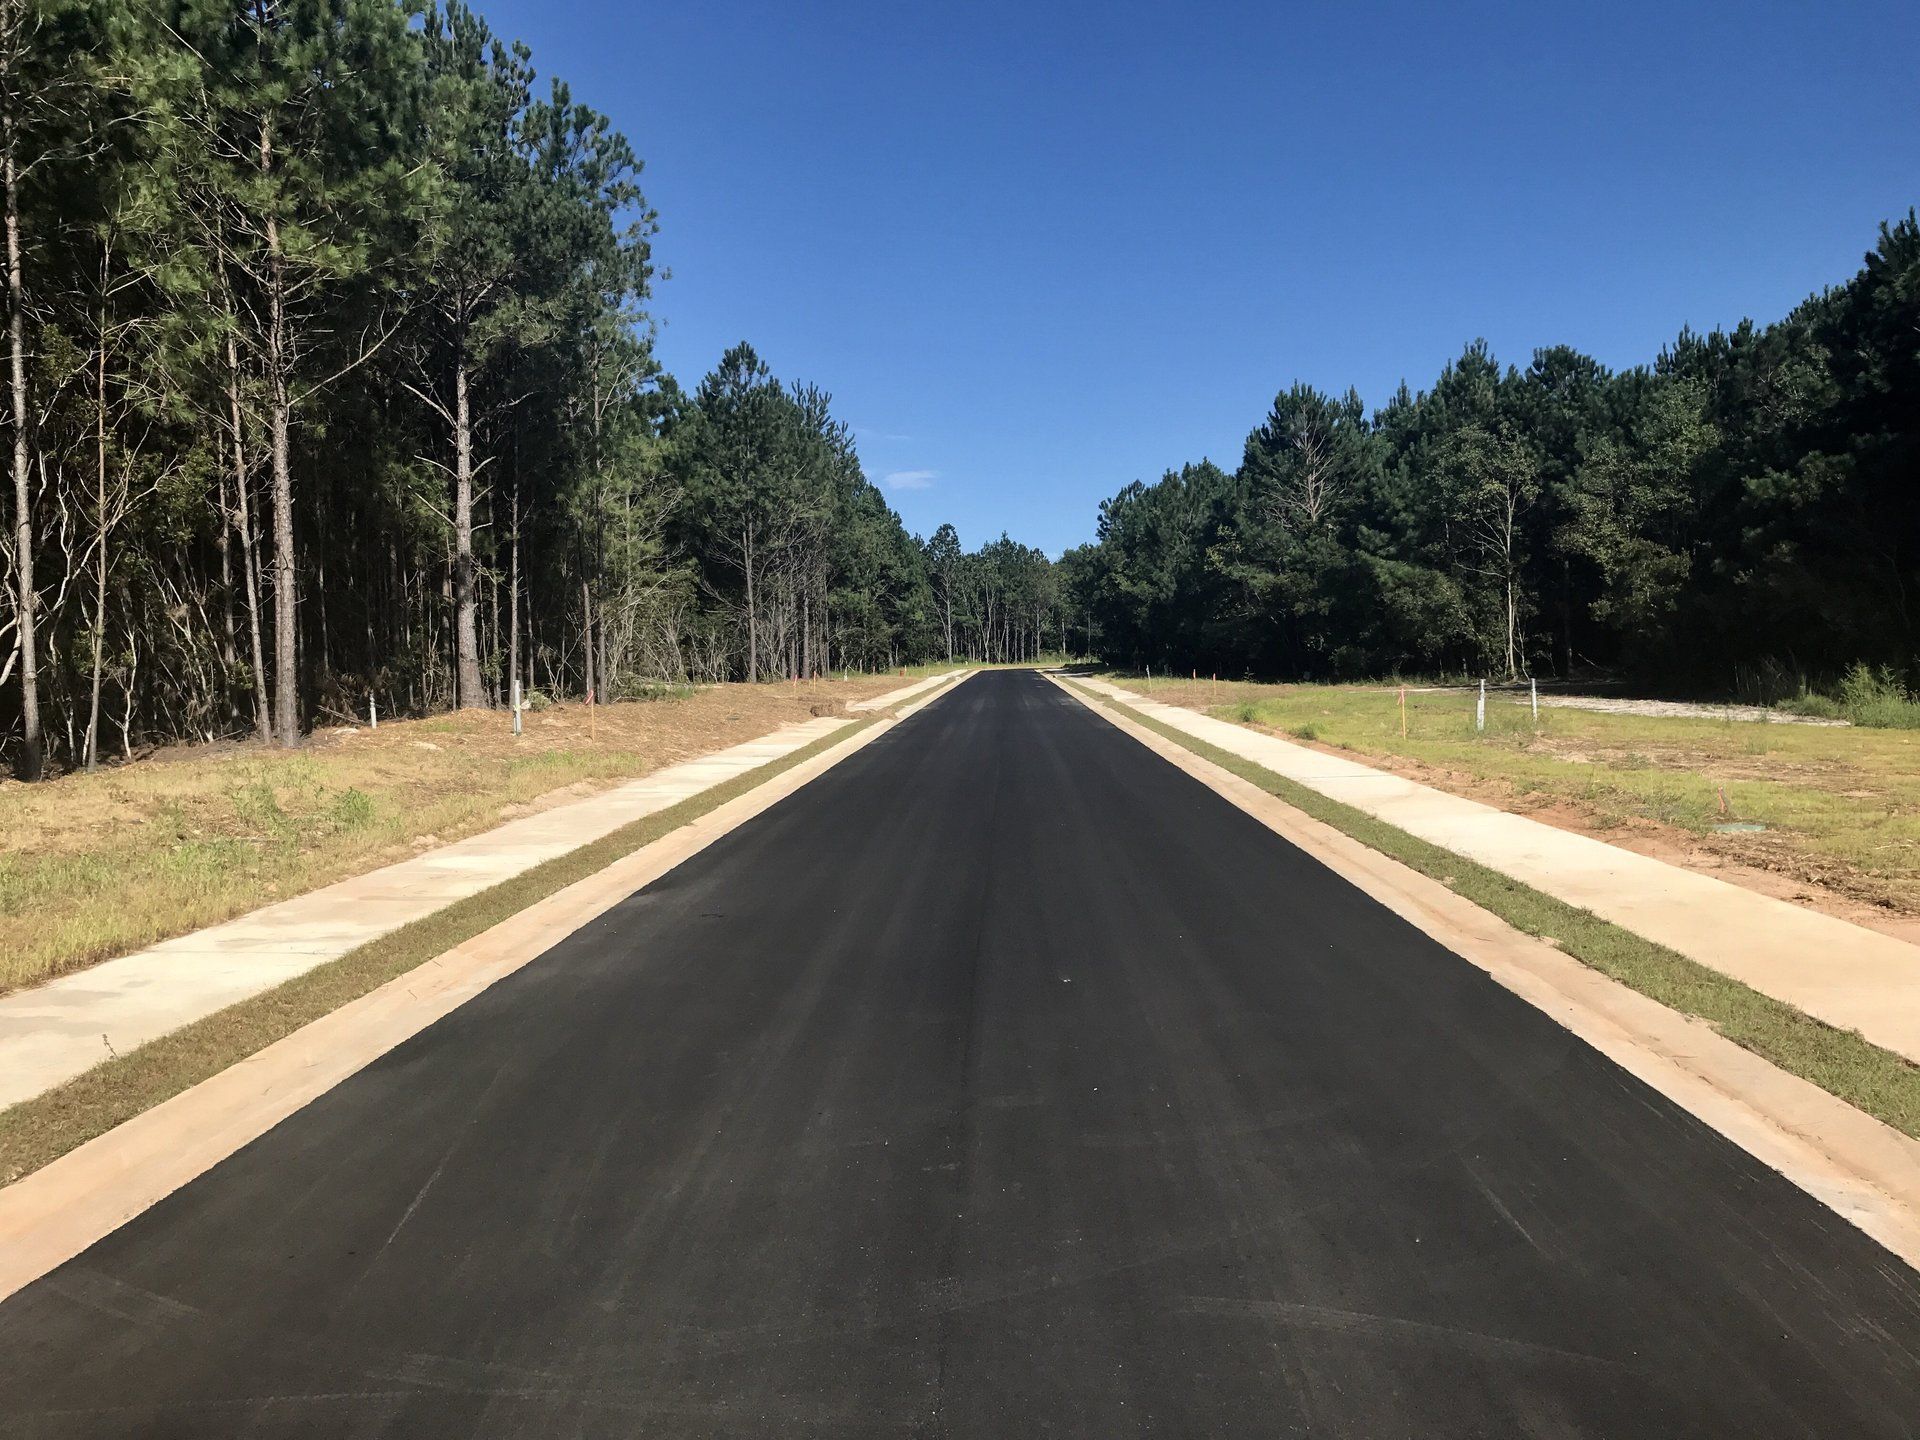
(241, 521)
(1513, 632)
(468, 693)
(513, 594)
(229, 632)
(100, 546)
(753, 613)
(586, 636)
(286, 659)
(26, 599)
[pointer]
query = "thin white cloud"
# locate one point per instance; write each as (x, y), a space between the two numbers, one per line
(911, 479)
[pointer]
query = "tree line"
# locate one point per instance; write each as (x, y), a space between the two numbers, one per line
(330, 380)
(1743, 512)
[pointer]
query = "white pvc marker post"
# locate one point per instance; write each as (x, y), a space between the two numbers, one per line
(1480, 710)
(1533, 690)
(373, 713)
(516, 707)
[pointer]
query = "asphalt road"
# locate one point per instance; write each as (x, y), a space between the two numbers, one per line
(1002, 1082)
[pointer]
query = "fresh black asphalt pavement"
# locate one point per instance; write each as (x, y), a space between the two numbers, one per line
(1003, 1081)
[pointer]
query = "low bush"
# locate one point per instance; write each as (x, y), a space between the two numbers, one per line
(1878, 699)
(633, 687)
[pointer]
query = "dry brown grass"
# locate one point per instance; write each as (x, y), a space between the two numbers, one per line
(93, 866)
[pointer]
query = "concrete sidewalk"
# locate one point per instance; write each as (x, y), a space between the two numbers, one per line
(52, 1032)
(1850, 977)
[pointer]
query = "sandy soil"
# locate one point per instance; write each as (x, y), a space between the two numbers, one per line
(1757, 714)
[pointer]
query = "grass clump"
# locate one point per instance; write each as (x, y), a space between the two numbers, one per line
(637, 689)
(353, 809)
(1874, 699)
(1883, 1084)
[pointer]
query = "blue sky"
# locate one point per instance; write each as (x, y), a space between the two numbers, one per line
(1039, 250)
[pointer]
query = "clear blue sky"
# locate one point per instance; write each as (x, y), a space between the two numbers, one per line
(1038, 250)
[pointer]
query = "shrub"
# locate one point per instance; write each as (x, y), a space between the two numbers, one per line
(1877, 698)
(634, 687)
(1815, 705)
(257, 804)
(353, 809)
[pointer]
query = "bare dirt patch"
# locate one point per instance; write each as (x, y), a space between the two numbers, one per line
(1680, 709)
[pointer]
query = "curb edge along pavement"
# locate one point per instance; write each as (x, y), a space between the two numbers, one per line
(1862, 1169)
(58, 1211)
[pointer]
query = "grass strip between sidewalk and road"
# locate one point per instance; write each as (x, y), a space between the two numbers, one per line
(1877, 1081)
(36, 1132)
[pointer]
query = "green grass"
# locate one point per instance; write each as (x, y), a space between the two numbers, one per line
(42, 1129)
(1874, 699)
(645, 690)
(1883, 1084)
